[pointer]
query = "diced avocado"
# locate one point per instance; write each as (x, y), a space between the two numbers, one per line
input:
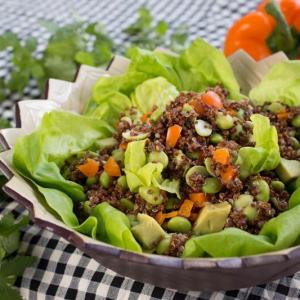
(288, 169)
(148, 232)
(243, 201)
(212, 218)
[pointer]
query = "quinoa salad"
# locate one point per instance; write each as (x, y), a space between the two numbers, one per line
(173, 167)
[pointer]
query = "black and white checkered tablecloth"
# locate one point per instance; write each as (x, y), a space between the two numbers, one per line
(62, 271)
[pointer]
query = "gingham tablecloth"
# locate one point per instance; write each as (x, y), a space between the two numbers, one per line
(62, 271)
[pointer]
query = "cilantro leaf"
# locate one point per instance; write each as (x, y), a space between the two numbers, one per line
(8, 224)
(8, 292)
(16, 266)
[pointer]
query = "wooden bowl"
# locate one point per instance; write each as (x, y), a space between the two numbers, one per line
(169, 272)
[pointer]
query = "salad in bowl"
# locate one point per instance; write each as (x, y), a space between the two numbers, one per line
(170, 158)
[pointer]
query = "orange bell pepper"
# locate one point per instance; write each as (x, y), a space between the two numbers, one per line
(269, 29)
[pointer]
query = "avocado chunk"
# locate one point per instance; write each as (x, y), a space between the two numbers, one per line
(148, 232)
(288, 169)
(212, 218)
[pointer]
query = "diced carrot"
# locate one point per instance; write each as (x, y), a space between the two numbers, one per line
(228, 174)
(145, 117)
(221, 156)
(89, 168)
(198, 199)
(284, 115)
(197, 105)
(212, 99)
(123, 146)
(171, 214)
(173, 135)
(112, 168)
(186, 208)
(160, 217)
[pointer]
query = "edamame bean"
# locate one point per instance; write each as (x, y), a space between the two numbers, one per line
(151, 195)
(292, 133)
(199, 170)
(296, 121)
(295, 142)
(104, 180)
(193, 155)
(243, 201)
(179, 224)
(208, 164)
(263, 190)
(240, 113)
(224, 121)
(250, 213)
(106, 143)
(278, 185)
(159, 157)
(126, 203)
(276, 107)
(163, 245)
(118, 155)
(91, 181)
(122, 182)
(216, 138)
(203, 128)
(238, 130)
(212, 185)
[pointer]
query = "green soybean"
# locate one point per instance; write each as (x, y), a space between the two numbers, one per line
(212, 185)
(163, 245)
(192, 155)
(276, 107)
(295, 142)
(296, 121)
(240, 114)
(224, 121)
(179, 224)
(216, 138)
(151, 195)
(104, 180)
(263, 190)
(122, 182)
(159, 157)
(278, 185)
(91, 180)
(250, 213)
(118, 155)
(126, 203)
(200, 170)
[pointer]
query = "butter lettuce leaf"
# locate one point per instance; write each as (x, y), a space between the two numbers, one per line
(198, 67)
(265, 156)
(278, 233)
(154, 92)
(39, 155)
(281, 84)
